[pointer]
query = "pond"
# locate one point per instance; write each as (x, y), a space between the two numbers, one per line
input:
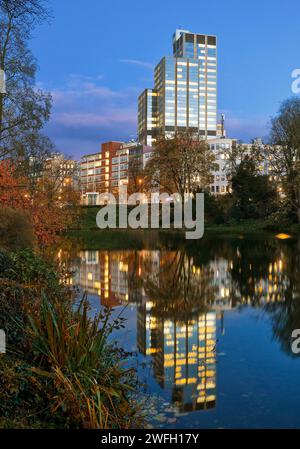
(209, 324)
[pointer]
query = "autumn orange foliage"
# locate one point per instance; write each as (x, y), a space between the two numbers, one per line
(49, 214)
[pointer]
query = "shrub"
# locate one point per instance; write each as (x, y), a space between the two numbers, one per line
(29, 268)
(91, 387)
(16, 230)
(65, 372)
(6, 263)
(218, 208)
(281, 218)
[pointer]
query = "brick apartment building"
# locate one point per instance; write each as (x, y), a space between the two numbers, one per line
(109, 169)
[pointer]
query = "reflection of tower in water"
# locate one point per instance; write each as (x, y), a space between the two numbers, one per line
(184, 358)
(182, 348)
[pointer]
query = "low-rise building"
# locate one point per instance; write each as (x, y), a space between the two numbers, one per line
(221, 149)
(61, 170)
(56, 169)
(120, 164)
(111, 169)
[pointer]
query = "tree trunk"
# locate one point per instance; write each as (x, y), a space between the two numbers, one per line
(1, 112)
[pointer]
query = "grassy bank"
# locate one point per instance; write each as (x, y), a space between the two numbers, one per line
(254, 227)
(86, 231)
(108, 239)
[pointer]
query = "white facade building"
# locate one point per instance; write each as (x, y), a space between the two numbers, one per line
(221, 148)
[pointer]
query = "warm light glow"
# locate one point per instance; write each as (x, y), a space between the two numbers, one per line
(283, 236)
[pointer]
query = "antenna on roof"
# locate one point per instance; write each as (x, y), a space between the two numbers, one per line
(223, 125)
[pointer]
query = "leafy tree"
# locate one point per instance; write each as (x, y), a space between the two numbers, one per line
(284, 152)
(254, 195)
(218, 208)
(181, 164)
(241, 152)
(16, 230)
(23, 108)
(49, 215)
(135, 175)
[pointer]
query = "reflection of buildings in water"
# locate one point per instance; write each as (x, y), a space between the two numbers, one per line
(221, 279)
(267, 287)
(113, 275)
(184, 357)
(263, 289)
(104, 274)
(271, 289)
(183, 353)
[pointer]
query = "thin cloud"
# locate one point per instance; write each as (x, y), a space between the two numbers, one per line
(147, 65)
(89, 119)
(85, 77)
(86, 112)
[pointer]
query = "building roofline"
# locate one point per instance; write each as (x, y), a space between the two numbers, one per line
(90, 154)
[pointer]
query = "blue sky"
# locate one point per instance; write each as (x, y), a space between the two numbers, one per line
(96, 56)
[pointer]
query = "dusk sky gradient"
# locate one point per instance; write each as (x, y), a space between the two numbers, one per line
(96, 56)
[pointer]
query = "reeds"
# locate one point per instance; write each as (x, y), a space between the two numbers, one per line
(73, 353)
(68, 375)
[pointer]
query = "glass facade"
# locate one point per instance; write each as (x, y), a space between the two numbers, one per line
(147, 116)
(185, 90)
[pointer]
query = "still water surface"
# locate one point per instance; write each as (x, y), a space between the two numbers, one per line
(210, 324)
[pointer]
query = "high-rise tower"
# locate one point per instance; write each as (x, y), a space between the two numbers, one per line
(185, 91)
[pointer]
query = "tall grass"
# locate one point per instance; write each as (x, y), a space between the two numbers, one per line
(68, 373)
(73, 353)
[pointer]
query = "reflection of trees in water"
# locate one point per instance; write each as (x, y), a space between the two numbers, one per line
(251, 261)
(65, 252)
(174, 328)
(178, 276)
(263, 273)
(134, 281)
(276, 264)
(178, 290)
(285, 316)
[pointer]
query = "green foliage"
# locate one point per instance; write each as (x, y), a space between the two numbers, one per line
(6, 263)
(16, 230)
(282, 217)
(218, 208)
(73, 351)
(26, 267)
(20, 398)
(284, 152)
(12, 297)
(254, 195)
(60, 370)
